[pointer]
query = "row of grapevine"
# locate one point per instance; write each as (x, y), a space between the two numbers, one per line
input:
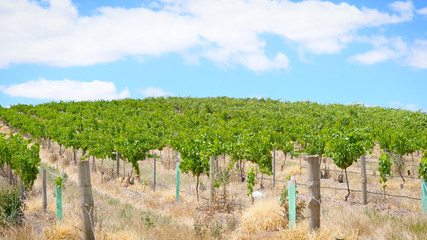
(23, 160)
(244, 129)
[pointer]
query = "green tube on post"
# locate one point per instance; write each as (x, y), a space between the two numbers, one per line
(58, 204)
(424, 196)
(292, 210)
(177, 181)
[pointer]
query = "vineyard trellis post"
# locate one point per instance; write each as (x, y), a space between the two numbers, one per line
(118, 163)
(177, 177)
(364, 180)
(86, 200)
(154, 178)
(93, 164)
(211, 180)
(10, 174)
(44, 194)
(22, 190)
(274, 168)
(313, 182)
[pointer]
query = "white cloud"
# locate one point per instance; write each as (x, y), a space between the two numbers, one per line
(422, 11)
(410, 107)
(417, 56)
(410, 54)
(373, 56)
(65, 90)
(154, 92)
(406, 9)
(227, 32)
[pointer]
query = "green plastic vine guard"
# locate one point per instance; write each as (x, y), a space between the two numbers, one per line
(292, 210)
(58, 205)
(177, 181)
(424, 197)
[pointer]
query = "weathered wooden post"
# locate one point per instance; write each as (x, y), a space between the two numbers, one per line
(364, 180)
(86, 200)
(22, 190)
(93, 164)
(74, 156)
(44, 195)
(118, 163)
(212, 180)
(10, 174)
(313, 182)
(154, 178)
(274, 168)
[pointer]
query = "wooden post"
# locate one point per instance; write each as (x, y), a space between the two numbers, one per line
(118, 163)
(22, 190)
(48, 143)
(44, 195)
(364, 180)
(154, 178)
(74, 156)
(313, 182)
(274, 168)
(86, 200)
(212, 180)
(93, 164)
(10, 174)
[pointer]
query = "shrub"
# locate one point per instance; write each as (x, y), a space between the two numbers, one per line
(10, 207)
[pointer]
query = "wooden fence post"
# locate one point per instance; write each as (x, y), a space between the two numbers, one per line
(118, 163)
(22, 190)
(364, 180)
(86, 200)
(154, 178)
(212, 180)
(313, 182)
(274, 168)
(93, 164)
(44, 195)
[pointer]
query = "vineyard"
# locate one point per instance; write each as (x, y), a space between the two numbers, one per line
(221, 167)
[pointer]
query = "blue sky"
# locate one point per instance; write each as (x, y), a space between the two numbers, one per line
(371, 52)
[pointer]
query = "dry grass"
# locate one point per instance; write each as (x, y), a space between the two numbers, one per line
(134, 212)
(262, 217)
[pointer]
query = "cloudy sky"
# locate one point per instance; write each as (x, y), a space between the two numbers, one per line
(354, 51)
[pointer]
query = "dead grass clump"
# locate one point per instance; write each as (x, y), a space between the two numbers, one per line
(24, 232)
(65, 162)
(53, 158)
(63, 231)
(262, 217)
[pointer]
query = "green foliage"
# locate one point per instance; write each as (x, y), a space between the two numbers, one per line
(284, 196)
(346, 147)
(58, 182)
(251, 181)
(10, 207)
(384, 167)
(24, 160)
(244, 129)
(422, 172)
